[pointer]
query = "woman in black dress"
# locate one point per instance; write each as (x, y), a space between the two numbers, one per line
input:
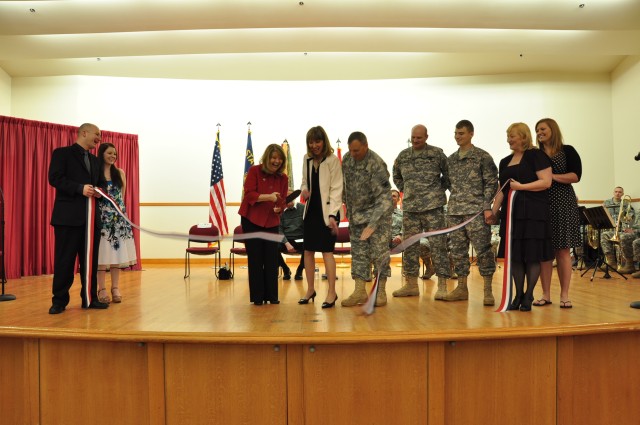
(565, 218)
(322, 188)
(528, 171)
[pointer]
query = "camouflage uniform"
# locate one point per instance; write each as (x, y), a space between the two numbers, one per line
(367, 196)
(396, 230)
(626, 239)
(423, 176)
(474, 182)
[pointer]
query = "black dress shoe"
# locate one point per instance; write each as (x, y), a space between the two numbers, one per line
(298, 276)
(287, 275)
(329, 305)
(98, 305)
(56, 309)
(273, 302)
(257, 303)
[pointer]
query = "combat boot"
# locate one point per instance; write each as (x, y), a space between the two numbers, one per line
(381, 297)
(442, 288)
(461, 292)
(636, 275)
(429, 269)
(409, 289)
(611, 261)
(488, 292)
(627, 267)
(359, 295)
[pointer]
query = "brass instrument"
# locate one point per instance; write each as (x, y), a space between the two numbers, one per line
(592, 237)
(623, 217)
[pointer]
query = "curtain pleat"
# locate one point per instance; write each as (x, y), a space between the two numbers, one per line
(25, 153)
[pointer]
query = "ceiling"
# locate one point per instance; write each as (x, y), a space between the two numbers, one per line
(314, 39)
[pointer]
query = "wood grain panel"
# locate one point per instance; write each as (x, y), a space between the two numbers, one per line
(93, 382)
(365, 384)
(599, 379)
(501, 382)
(19, 402)
(225, 384)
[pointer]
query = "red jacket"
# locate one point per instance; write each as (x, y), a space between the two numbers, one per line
(259, 183)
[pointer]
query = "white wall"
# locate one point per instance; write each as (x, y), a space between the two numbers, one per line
(5, 93)
(626, 115)
(176, 122)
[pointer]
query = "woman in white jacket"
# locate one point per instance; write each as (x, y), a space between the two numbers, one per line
(322, 189)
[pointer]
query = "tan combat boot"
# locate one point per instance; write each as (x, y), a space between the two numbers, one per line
(429, 270)
(442, 288)
(488, 293)
(611, 261)
(381, 297)
(461, 292)
(636, 275)
(627, 267)
(409, 289)
(359, 295)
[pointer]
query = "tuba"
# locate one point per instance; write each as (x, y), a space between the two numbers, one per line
(623, 217)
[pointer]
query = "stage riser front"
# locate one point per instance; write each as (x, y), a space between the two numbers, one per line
(586, 379)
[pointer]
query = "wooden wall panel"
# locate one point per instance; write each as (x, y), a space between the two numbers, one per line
(501, 382)
(365, 384)
(225, 384)
(93, 382)
(19, 381)
(599, 379)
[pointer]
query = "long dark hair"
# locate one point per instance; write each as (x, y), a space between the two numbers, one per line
(115, 174)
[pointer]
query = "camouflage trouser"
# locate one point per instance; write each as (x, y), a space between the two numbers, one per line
(636, 250)
(626, 243)
(418, 222)
(374, 250)
(479, 234)
(425, 250)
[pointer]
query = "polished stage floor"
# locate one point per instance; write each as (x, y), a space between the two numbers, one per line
(159, 305)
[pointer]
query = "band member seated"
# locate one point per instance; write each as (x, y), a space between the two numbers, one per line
(623, 219)
(291, 226)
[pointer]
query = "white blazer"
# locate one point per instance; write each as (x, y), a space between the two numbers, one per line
(330, 184)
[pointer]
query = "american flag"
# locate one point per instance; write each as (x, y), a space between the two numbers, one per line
(217, 199)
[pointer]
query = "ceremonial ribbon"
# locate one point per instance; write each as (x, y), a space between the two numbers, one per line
(506, 275)
(88, 252)
(273, 237)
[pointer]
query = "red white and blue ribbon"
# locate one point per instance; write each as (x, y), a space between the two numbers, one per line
(273, 237)
(88, 252)
(506, 276)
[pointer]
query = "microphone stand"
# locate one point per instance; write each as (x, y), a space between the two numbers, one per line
(3, 276)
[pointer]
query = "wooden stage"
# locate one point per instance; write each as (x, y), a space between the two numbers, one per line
(195, 351)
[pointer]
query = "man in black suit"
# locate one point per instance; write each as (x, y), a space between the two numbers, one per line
(74, 172)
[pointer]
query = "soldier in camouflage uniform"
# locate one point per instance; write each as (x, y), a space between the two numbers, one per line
(369, 208)
(396, 236)
(628, 241)
(626, 235)
(421, 172)
(474, 182)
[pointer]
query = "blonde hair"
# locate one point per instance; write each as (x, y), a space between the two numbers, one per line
(523, 130)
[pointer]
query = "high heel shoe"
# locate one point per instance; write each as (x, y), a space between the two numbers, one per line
(306, 300)
(117, 298)
(515, 305)
(103, 297)
(331, 304)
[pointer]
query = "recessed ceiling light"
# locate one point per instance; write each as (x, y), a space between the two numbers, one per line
(32, 10)
(581, 5)
(301, 3)
(98, 59)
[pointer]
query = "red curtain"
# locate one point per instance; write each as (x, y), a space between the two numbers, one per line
(25, 153)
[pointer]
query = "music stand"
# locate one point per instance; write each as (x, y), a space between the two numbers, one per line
(599, 218)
